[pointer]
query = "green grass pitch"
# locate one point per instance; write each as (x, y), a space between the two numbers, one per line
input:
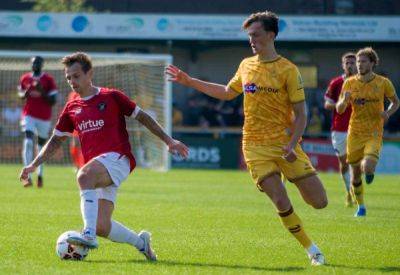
(209, 222)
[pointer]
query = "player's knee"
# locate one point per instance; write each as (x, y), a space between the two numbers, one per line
(356, 175)
(369, 167)
(29, 134)
(321, 203)
(84, 180)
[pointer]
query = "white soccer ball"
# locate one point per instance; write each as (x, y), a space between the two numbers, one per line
(68, 251)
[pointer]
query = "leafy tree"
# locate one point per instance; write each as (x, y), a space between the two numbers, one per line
(60, 6)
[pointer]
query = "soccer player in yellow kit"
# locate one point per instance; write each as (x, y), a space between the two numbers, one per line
(366, 93)
(275, 119)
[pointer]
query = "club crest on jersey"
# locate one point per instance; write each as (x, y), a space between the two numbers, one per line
(101, 106)
(250, 88)
(78, 110)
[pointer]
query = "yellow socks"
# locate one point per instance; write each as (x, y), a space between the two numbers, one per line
(357, 191)
(293, 223)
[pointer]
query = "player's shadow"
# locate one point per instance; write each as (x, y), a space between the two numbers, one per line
(234, 266)
(382, 269)
(186, 264)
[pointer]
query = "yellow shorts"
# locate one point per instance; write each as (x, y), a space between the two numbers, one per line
(360, 147)
(266, 160)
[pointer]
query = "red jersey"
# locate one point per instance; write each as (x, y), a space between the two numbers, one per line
(100, 123)
(36, 105)
(72, 96)
(340, 122)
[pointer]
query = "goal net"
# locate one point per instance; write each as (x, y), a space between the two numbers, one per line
(140, 76)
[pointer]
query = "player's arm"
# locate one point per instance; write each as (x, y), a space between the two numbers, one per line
(344, 101)
(47, 151)
(300, 123)
(211, 89)
(329, 103)
(21, 92)
(51, 98)
(294, 85)
(390, 94)
(392, 108)
(174, 146)
(344, 98)
(22, 89)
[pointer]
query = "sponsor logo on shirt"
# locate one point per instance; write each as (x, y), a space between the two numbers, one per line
(251, 88)
(90, 125)
(363, 101)
(101, 106)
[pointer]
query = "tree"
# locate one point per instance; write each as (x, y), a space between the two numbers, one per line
(60, 6)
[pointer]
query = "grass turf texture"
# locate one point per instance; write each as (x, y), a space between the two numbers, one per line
(209, 222)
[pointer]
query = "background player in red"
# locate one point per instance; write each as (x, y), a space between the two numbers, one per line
(40, 93)
(75, 146)
(99, 118)
(340, 122)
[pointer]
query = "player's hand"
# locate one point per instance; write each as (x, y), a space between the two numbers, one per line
(24, 176)
(176, 75)
(176, 147)
(385, 116)
(288, 153)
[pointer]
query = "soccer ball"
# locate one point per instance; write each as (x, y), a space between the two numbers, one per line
(68, 251)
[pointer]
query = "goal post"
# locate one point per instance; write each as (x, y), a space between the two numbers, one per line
(140, 76)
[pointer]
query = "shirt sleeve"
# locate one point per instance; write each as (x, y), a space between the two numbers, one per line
(294, 86)
(22, 84)
(127, 106)
(346, 87)
(236, 82)
(389, 89)
(329, 94)
(64, 125)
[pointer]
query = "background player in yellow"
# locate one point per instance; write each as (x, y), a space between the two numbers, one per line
(275, 119)
(366, 93)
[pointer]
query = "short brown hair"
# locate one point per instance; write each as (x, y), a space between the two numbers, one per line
(78, 57)
(348, 55)
(267, 18)
(370, 53)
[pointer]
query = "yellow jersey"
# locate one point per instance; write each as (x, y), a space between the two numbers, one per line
(367, 101)
(270, 88)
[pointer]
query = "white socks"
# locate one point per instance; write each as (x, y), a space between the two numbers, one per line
(121, 234)
(346, 178)
(27, 151)
(89, 208)
(118, 233)
(40, 169)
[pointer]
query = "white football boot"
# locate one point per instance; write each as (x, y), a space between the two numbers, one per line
(317, 259)
(85, 239)
(147, 251)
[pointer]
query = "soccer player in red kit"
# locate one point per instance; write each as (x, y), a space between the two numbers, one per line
(99, 118)
(40, 93)
(340, 122)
